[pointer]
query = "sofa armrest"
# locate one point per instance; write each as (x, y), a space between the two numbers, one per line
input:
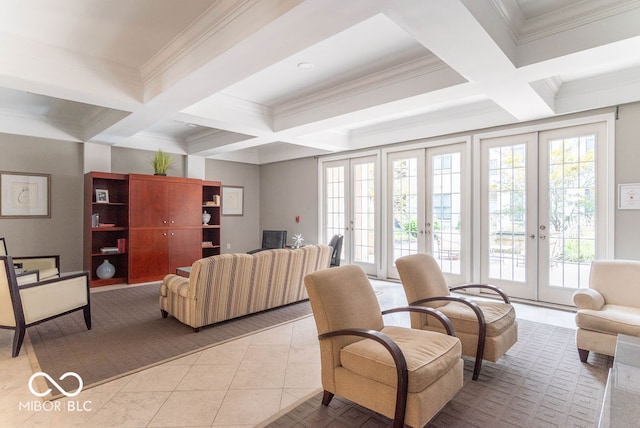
(588, 299)
(175, 284)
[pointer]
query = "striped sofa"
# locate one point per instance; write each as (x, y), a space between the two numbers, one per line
(232, 285)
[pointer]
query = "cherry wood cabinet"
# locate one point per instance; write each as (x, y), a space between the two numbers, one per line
(165, 225)
(159, 219)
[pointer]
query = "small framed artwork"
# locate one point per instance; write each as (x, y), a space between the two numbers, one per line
(232, 200)
(25, 195)
(629, 196)
(102, 196)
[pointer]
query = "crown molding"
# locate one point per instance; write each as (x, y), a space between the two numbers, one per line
(567, 17)
(375, 81)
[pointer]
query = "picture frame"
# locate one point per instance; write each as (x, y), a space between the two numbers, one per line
(25, 195)
(232, 200)
(629, 196)
(102, 196)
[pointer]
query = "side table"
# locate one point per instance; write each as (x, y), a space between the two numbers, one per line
(622, 394)
(184, 271)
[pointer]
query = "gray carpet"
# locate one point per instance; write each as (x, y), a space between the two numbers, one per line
(540, 382)
(129, 334)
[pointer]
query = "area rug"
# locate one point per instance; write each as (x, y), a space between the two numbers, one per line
(128, 334)
(540, 382)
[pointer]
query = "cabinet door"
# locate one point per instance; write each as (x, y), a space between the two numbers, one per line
(148, 203)
(185, 204)
(148, 254)
(185, 247)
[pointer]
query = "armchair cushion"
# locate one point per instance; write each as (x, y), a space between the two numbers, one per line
(612, 319)
(427, 358)
(46, 299)
(498, 317)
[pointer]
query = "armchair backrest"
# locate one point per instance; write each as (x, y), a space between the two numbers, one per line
(617, 280)
(3, 247)
(336, 244)
(274, 239)
(343, 298)
(7, 276)
(422, 278)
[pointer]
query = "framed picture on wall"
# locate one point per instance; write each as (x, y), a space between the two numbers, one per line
(232, 200)
(25, 195)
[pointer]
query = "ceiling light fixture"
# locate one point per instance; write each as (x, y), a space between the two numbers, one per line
(305, 65)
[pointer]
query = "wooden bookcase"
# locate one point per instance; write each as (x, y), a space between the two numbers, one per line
(113, 227)
(160, 220)
(211, 196)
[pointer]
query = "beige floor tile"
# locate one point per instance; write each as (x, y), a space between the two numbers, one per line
(208, 377)
(160, 378)
(73, 412)
(280, 335)
(306, 353)
(242, 407)
(259, 376)
(129, 409)
(188, 409)
(303, 375)
(226, 353)
(274, 354)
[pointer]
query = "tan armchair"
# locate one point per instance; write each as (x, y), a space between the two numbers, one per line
(611, 305)
(487, 329)
(46, 267)
(401, 373)
(31, 304)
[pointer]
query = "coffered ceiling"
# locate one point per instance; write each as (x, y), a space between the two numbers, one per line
(261, 81)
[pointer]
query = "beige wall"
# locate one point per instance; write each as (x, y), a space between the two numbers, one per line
(62, 233)
(239, 233)
(627, 235)
(287, 190)
(273, 194)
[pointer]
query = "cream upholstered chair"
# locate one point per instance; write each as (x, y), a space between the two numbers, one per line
(31, 304)
(401, 373)
(46, 266)
(487, 329)
(610, 306)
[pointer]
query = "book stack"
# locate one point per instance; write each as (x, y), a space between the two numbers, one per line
(214, 202)
(122, 245)
(109, 250)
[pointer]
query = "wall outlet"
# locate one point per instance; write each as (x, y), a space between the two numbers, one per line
(228, 245)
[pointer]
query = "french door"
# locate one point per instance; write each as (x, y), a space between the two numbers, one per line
(350, 189)
(426, 208)
(542, 205)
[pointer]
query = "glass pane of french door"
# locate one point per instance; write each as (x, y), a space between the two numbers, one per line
(406, 210)
(364, 218)
(507, 200)
(568, 216)
(444, 221)
(335, 200)
(349, 209)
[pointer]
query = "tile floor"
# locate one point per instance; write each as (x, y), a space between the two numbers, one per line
(237, 384)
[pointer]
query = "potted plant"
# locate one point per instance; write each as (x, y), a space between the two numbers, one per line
(161, 162)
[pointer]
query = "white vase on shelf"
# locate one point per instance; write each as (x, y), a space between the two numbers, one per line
(205, 217)
(106, 270)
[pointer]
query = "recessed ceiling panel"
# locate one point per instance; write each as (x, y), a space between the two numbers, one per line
(375, 44)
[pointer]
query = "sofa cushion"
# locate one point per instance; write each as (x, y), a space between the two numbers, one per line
(612, 319)
(427, 358)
